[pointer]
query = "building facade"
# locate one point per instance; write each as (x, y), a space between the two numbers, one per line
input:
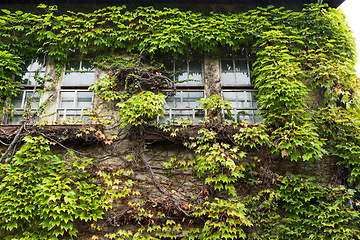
(189, 117)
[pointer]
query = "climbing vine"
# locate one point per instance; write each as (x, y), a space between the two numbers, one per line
(296, 53)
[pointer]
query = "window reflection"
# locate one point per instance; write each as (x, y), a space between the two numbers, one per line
(236, 66)
(186, 68)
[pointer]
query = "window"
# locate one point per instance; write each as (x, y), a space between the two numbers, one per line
(74, 98)
(235, 69)
(73, 103)
(237, 87)
(187, 72)
(20, 102)
(28, 80)
(29, 71)
(183, 105)
(244, 104)
(186, 66)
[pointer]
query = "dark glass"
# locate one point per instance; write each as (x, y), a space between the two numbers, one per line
(226, 52)
(195, 65)
(227, 65)
(241, 65)
(240, 53)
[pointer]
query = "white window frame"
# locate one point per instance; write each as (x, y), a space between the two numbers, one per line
(74, 108)
(20, 110)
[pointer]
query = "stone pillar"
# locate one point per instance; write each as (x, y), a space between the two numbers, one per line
(212, 79)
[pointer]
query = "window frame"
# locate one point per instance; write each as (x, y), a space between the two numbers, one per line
(250, 112)
(78, 60)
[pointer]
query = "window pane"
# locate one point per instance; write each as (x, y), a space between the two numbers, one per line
(180, 65)
(86, 65)
(243, 78)
(35, 102)
(240, 53)
(67, 100)
(17, 118)
(184, 114)
(17, 101)
(169, 65)
(194, 54)
(178, 100)
(251, 63)
(195, 65)
(227, 65)
(226, 52)
(181, 76)
(241, 65)
(87, 78)
(73, 66)
(28, 65)
(37, 64)
(197, 76)
(170, 102)
(84, 100)
(32, 77)
(228, 78)
(71, 78)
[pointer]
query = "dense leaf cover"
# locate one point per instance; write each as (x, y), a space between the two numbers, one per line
(297, 52)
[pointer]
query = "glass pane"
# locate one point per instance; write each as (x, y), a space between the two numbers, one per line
(195, 65)
(251, 63)
(170, 102)
(194, 54)
(199, 115)
(22, 79)
(181, 77)
(177, 99)
(67, 114)
(241, 65)
(257, 118)
(194, 96)
(18, 100)
(181, 55)
(251, 54)
(71, 78)
(67, 100)
(35, 101)
(231, 97)
(169, 65)
(87, 78)
(227, 65)
(180, 65)
(85, 118)
(17, 118)
(36, 65)
(244, 116)
(73, 53)
(197, 76)
(228, 78)
(84, 100)
(226, 52)
(184, 114)
(73, 66)
(86, 65)
(240, 53)
(32, 77)
(243, 78)
(28, 65)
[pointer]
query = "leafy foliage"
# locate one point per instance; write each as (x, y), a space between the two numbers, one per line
(301, 208)
(41, 194)
(141, 108)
